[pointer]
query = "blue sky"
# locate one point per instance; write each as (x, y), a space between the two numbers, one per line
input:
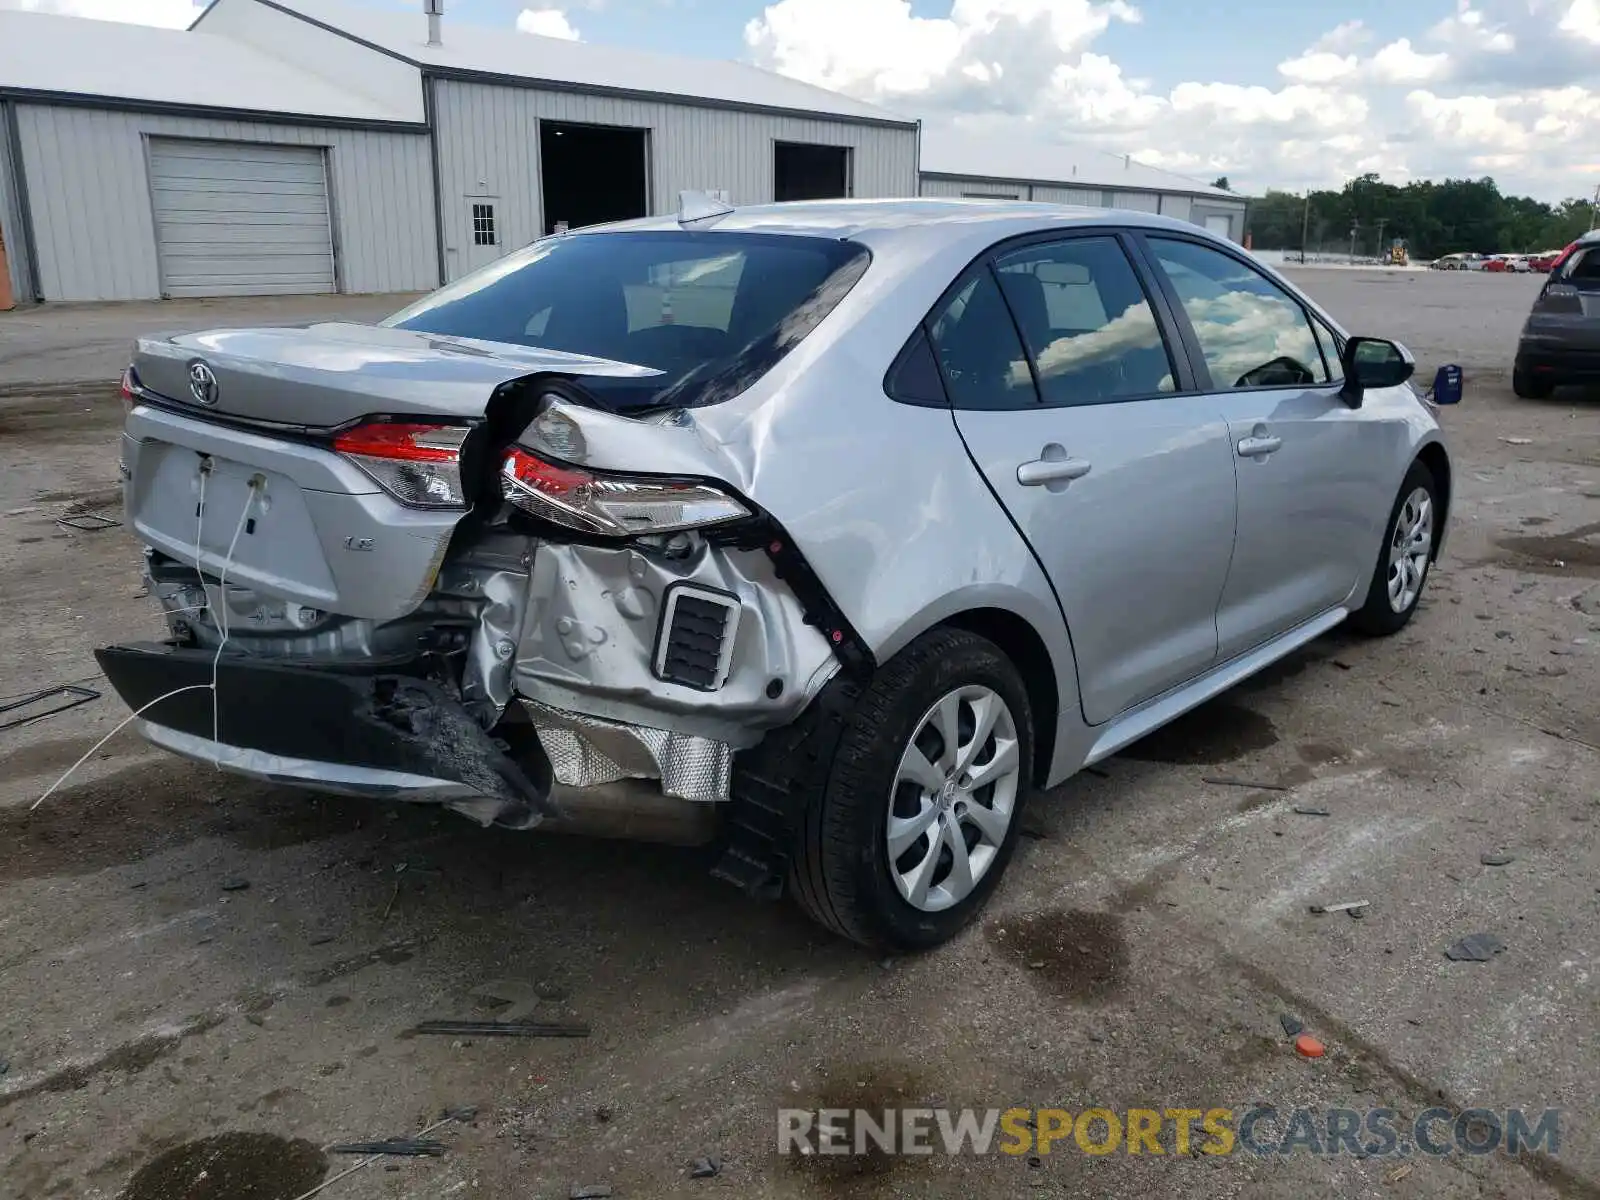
(1271, 93)
(1237, 41)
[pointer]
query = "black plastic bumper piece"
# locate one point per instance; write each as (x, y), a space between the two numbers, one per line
(775, 783)
(382, 721)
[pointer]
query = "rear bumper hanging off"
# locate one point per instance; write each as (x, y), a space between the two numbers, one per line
(375, 734)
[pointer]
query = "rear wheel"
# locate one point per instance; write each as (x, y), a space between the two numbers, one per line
(1527, 387)
(919, 812)
(1404, 558)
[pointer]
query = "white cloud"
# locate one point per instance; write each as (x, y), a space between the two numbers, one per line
(546, 22)
(1508, 86)
(1399, 63)
(1319, 66)
(174, 14)
(1583, 20)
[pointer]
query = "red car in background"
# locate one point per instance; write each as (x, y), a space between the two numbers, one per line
(1550, 259)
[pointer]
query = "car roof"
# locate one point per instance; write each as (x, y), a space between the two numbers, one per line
(882, 219)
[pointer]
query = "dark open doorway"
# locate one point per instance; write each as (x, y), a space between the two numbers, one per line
(805, 172)
(591, 174)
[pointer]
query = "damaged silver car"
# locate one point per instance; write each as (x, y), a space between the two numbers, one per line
(821, 533)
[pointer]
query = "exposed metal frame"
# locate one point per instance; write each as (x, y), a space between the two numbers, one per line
(430, 115)
(19, 175)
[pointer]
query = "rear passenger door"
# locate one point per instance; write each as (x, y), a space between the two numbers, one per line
(1087, 428)
(1312, 490)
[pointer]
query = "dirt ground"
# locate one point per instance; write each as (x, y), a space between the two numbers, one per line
(203, 983)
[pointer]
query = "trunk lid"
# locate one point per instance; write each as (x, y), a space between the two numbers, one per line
(325, 375)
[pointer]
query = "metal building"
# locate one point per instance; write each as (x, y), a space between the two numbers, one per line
(148, 162)
(299, 146)
(959, 163)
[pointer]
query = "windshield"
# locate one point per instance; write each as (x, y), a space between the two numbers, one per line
(689, 304)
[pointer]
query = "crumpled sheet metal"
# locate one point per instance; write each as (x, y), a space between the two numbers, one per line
(588, 751)
(594, 614)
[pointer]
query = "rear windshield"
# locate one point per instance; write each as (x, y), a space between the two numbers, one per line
(704, 308)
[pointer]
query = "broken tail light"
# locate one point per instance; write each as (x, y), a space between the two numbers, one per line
(418, 464)
(611, 505)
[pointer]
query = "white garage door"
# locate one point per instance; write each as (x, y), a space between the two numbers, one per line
(238, 219)
(1220, 225)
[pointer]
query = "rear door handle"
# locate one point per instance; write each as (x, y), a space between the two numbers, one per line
(1052, 470)
(1259, 447)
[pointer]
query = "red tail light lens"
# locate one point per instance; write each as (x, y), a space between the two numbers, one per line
(418, 464)
(611, 505)
(128, 389)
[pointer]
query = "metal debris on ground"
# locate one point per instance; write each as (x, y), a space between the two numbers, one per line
(1475, 947)
(706, 1167)
(1310, 810)
(1350, 906)
(398, 1147)
(1496, 860)
(1229, 781)
(72, 694)
(87, 522)
(595, 1191)
(370, 1159)
(1399, 1173)
(554, 1029)
(1517, 441)
(236, 885)
(1292, 1026)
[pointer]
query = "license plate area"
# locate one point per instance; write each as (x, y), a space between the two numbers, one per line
(223, 515)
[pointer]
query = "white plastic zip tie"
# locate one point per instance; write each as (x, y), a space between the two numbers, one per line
(217, 616)
(121, 725)
(220, 615)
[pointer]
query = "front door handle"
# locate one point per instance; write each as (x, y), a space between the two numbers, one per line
(1044, 471)
(1259, 447)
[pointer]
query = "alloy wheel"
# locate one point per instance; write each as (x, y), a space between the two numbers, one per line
(1410, 548)
(953, 798)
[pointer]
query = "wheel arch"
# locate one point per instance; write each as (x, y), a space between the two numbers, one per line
(1020, 642)
(1434, 456)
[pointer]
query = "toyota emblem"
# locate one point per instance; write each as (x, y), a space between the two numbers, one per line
(203, 385)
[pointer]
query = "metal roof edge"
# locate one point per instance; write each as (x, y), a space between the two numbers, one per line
(467, 75)
(174, 108)
(966, 177)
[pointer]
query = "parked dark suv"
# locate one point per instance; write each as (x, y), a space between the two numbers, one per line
(1561, 339)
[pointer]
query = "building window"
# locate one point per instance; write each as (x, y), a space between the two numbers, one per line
(483, 225)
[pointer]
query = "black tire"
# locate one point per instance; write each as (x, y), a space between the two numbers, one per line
(1378, 617)
(840, 871)
(1528, 388)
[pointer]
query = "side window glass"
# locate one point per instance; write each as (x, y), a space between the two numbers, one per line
(1251, 332)
(979, 355)
(914, 378)
(1087, 322)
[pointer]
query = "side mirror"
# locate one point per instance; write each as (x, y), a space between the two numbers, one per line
(1374, 363)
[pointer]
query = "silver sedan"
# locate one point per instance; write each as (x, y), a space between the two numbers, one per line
(828, 533)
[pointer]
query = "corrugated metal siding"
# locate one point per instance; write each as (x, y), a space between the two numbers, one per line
(488, 146)
(1066, 195)
(11, 215)
(1176, 207)
(90, 194)
(992, 189)
(1147, 202)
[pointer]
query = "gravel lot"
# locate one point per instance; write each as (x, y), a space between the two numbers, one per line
(1149, 938)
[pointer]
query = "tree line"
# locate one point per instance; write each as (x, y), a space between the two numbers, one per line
(1433, 219)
